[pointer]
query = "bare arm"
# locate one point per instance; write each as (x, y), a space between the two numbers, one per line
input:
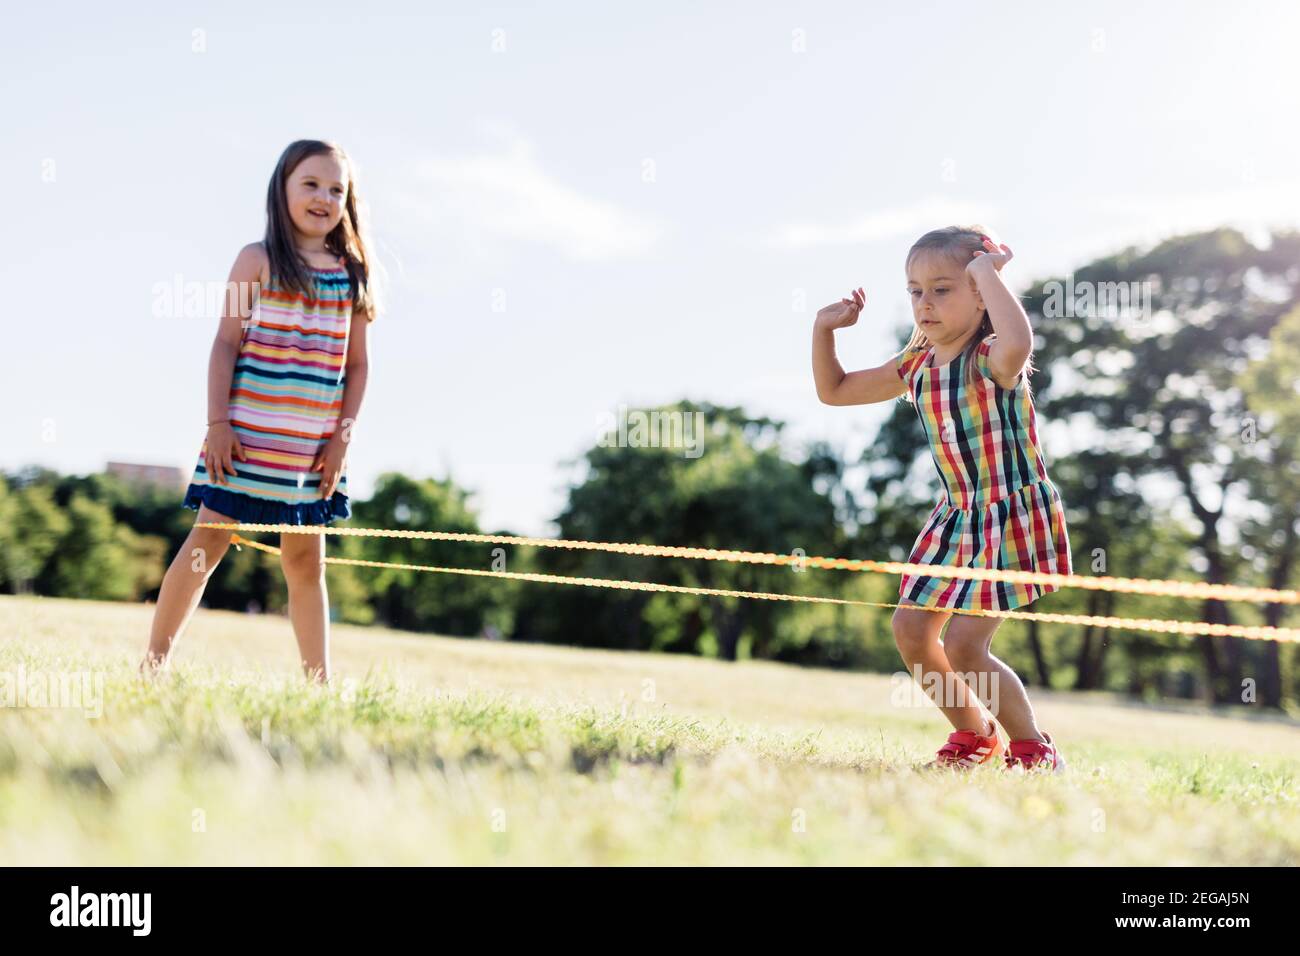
(241, 290)
(221, 369)
(332, 456)
(1010, 350)
(834, 385)
(222, 446)
(357, 374)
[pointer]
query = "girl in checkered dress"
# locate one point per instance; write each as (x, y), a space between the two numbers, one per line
(966, 370)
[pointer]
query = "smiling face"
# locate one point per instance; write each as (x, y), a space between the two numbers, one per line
(315, 193)
(945, 303)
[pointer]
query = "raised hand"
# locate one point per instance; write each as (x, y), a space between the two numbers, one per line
(842, 314)
(992, 254)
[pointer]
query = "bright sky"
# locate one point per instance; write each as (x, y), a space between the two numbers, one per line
(591, 205)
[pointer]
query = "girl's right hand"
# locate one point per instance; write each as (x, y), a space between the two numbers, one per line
(222, 447)
(842, 314)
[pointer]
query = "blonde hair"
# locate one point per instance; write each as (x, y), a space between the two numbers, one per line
(958, 244)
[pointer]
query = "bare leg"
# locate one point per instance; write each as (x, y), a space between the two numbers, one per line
(967, 643)
(302, 556)
(917, 634)
(183, 586)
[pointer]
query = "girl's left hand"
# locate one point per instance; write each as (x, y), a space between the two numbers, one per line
(997, 255)
(329, 462)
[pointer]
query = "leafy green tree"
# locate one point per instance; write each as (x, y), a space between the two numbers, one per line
(720, 479)
(94, 557)
(1270, 463)
(1156, 380)
(30, 534)
(420, 600)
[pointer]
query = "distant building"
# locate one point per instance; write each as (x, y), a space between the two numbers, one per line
(164, 476)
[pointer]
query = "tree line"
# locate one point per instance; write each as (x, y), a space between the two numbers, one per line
(1176, 451)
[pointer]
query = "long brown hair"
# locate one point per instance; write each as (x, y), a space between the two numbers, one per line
(959, 245)
(349, 240)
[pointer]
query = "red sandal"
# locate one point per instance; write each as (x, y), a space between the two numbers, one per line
(966, 749)
(1034, 755)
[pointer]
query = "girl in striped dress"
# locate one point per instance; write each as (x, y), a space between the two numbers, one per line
(966, 369)
(286, 380)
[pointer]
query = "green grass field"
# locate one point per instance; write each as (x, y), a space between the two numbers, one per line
(437, 751)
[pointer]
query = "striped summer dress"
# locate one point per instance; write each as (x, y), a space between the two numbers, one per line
(285, 397)
(999, 509)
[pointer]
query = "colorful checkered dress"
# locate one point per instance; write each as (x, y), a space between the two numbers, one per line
(999, 509)
(285, 399)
